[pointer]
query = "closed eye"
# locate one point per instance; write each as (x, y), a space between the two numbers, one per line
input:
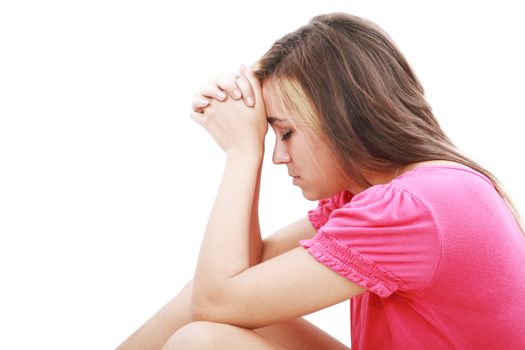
(287, 135)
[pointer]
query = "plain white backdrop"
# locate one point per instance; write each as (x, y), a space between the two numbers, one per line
(106, 183)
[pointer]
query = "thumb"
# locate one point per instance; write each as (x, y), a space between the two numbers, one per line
(199, 118)
(254, 82)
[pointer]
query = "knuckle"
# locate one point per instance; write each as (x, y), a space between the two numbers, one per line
(221, 79)
(207, 91)
(233, 77)
(221, 85)
(203, 89)
(242, 84)
(245, 86)
(227, 81)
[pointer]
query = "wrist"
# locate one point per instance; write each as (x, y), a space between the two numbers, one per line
(255, 154)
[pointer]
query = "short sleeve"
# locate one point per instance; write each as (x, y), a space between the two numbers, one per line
(384, 239)
(319, 216)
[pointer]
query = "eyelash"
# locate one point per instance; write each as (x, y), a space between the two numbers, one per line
(286, 136)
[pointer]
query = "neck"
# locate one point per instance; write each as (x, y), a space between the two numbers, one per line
(377, 179)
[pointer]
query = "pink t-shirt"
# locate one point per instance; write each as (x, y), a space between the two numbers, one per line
(440, 254)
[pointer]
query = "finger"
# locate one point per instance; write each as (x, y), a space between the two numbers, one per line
(199, 104)
(247, 90)
(212, 91)
(254, 83)
(227, 83)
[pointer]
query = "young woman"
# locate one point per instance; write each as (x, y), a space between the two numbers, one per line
(422, 240)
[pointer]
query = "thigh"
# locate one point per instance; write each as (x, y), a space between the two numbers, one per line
(177, 312)
(157, 330)
(300, 334)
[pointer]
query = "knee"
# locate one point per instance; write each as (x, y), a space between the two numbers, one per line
(192, 336)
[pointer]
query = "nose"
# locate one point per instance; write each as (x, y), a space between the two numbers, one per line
(280, 153)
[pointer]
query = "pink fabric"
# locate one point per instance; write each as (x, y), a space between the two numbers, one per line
(440, 254)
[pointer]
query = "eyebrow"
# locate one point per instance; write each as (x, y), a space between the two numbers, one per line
(272, 120)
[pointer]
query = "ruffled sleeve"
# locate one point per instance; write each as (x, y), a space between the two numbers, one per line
(385, 239)
(319, 216)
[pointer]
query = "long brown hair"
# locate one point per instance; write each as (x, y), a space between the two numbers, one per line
(354, 88)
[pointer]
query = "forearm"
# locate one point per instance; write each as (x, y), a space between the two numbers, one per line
(256, 243)
(225, 250)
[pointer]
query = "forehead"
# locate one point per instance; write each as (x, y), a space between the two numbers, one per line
(272, 101)
(276, 111)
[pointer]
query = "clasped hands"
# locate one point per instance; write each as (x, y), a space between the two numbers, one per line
(231, 108)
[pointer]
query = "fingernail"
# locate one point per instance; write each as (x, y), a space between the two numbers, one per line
(204, 102)
(236, 94)
(220, 95)
(249, 101)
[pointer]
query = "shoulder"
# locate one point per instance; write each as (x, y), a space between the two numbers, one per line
(383, 205)
(319, 216)
(445, 184)
(387, 234)
(440, 171)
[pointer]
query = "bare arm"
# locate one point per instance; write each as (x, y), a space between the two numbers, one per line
(255, 240)
(229, 286)
(177, 312)
(227, 290)
(236, 87)
(287, 238)
(225, 249)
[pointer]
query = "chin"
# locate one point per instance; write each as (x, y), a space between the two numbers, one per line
(324, 193)
(311, 196)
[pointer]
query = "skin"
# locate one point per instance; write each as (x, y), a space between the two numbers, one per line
(226, 289)
(296, 151)
(221, 318)
(169, 321)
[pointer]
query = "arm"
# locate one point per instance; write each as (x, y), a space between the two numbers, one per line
(256, 242)
(287, 286)
(236, 87)
(227, 290)
(225, 250)
(287, 238)
(232, 240)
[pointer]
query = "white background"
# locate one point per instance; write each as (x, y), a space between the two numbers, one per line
(106, 183)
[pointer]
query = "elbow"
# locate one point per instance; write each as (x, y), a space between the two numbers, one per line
(197, 313)
(201, 309)
(211, 305)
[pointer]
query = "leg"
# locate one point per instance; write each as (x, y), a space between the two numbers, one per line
(157, 330)
(218, 336)
(300, 334)
(293, 334)
(297, 334)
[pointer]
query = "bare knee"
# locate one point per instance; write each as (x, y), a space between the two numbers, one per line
(193, 336)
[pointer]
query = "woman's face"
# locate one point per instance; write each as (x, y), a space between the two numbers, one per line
(309, 160)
